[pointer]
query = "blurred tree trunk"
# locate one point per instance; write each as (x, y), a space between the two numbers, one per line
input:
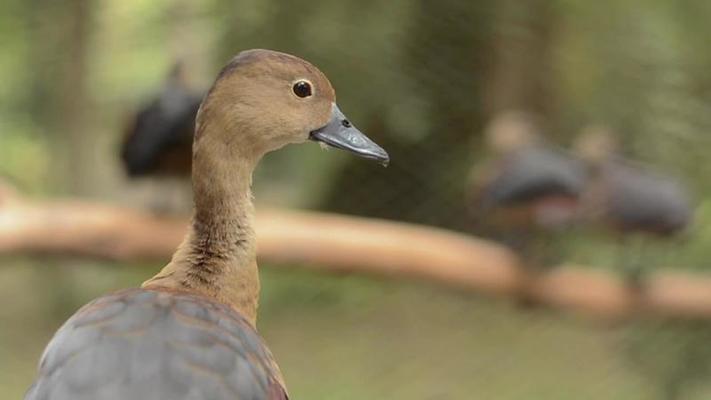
(467, 61)
(60, 100)
(445, 62)
(521, 73)
(74, 98)
(44, 37)
(280, 28)
(186, 44)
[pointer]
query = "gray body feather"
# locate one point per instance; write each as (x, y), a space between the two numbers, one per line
(640, 200)
(145, 344)
(534, 173)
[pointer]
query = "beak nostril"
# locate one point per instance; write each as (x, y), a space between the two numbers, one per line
(341, 134)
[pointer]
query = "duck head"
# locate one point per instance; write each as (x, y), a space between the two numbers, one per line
(263, 100)
(512, 130)
(596, 144)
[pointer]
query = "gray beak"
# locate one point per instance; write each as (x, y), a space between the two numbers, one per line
(341, 134)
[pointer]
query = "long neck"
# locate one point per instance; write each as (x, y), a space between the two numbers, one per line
(218, 255)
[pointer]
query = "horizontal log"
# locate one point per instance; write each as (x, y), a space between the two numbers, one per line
(346, 244)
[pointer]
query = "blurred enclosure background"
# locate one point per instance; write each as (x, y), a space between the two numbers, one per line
(422, 78)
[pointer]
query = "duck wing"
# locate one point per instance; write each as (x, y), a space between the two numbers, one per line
(149, 344)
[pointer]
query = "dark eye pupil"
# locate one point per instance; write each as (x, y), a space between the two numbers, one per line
(302, 89)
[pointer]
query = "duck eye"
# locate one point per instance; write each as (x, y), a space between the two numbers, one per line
(302, 89)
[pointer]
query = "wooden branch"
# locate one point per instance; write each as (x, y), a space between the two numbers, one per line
(350, 244)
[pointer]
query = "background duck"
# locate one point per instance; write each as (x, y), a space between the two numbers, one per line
(189, 332)
(156, 151)
(529, 189)
(631, 199)
(159, 138)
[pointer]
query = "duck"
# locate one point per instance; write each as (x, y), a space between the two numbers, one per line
(629, 198)
(189, 332)
(159, 137)
(529, 190)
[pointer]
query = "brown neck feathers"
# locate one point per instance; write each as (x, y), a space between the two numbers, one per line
(217, 258)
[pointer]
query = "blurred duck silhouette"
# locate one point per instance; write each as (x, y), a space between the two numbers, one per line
(529, 191)
(160, 136)
(527, 194)
(158, 141)
(630, 198)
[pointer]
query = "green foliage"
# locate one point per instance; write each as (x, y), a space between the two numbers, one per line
(23, 156)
